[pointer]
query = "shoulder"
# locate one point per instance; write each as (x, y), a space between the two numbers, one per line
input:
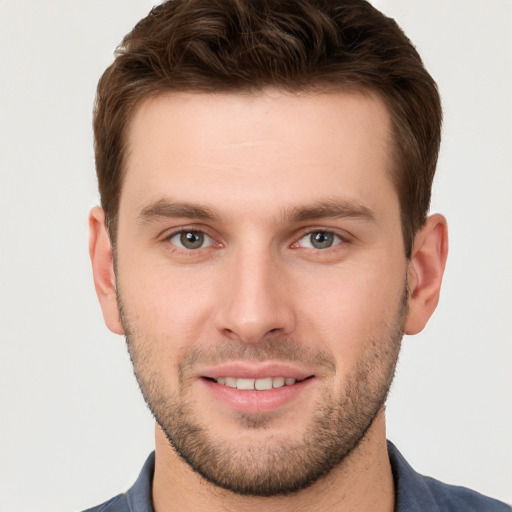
(415, 492)
(137, 498)
(116, 504)
(452, 498)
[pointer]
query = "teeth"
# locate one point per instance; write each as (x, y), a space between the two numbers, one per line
(278, 382)
(231, 382)
(262, 384)
(258, 384)
(244, 383)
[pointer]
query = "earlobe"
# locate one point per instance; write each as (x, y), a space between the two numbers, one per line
(100, 252)
(425, 273)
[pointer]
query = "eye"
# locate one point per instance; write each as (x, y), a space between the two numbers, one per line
(319, 240)
(191, 240)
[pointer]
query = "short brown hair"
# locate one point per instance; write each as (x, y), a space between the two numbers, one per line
(296, 45)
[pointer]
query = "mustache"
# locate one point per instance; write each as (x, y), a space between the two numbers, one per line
(271, 348)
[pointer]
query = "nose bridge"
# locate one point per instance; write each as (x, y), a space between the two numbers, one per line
(255, 301)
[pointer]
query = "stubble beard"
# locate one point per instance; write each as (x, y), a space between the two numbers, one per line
(274, 466)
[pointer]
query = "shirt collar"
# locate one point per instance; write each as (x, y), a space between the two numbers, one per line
(412, 493)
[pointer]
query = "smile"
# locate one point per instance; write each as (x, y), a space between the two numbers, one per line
(256, 390)
(256, 384)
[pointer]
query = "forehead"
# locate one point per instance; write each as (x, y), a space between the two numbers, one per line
(266, 149)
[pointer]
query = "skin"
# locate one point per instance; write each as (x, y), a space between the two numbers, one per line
(268, 169)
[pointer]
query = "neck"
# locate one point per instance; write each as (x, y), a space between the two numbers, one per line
(362, 482)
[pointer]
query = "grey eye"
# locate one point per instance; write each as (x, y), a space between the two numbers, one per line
(320, 240)
(191, 240)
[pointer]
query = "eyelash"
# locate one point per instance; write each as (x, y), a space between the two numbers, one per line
(337, 240)
(186, 250)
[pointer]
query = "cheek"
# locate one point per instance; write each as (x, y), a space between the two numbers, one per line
(349, 309)
(167, 305)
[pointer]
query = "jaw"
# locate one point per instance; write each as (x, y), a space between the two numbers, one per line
(363, 481)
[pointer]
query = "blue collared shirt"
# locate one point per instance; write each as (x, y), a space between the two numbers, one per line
(414, 492)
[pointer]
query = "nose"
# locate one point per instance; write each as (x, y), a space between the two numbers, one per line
(255, 299)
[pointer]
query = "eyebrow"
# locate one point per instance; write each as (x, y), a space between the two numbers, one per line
(165, 208)
(332, 208)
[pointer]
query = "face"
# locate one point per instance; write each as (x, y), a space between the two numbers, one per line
(261, 279)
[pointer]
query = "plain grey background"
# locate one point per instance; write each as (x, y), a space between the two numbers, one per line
(73, 429)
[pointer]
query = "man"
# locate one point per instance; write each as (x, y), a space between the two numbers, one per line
(263, 243)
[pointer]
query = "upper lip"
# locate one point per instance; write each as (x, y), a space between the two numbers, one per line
(241, 370)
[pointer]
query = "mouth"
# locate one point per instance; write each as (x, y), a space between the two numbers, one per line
(263, 384)
(256, 388)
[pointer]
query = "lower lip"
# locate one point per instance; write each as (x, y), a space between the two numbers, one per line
(253, 401)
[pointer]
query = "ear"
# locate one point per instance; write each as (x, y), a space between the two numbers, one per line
(425, 272)
(100, 251)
